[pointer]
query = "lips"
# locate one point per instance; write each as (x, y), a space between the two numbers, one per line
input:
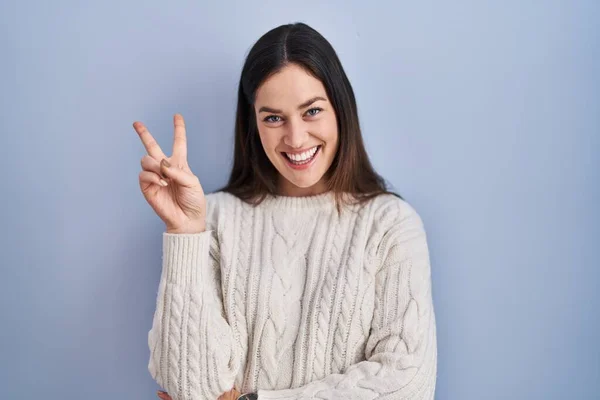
(308, 152)
(301, 164)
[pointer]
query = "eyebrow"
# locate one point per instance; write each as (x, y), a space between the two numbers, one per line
(301, 106)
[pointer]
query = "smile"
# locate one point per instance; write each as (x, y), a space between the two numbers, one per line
(303, 160)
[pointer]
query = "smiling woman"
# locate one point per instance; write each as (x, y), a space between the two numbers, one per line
(303, 277)
(293, 97)
(300, 138)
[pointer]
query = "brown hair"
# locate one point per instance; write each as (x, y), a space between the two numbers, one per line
(253, 176)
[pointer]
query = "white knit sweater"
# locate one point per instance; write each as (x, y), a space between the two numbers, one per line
(293, 301)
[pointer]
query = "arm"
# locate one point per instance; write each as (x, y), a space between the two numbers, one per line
(401, 352)
(193, 353)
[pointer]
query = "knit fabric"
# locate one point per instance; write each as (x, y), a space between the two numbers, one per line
(293, 301)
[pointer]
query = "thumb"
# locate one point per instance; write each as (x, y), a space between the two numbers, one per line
(178, 175)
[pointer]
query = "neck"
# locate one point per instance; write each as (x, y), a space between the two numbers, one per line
(287, 188)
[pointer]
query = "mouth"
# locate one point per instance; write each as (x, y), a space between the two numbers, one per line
(302, 163)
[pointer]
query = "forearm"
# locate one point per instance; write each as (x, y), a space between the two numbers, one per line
(387, 375)
(401, 351)
(192, 349)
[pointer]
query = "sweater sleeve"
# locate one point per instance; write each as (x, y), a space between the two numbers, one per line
(401, 351)
(193, 353)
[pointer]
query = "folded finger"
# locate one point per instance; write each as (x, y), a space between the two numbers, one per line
(148, 177)
(150, 164)
(179, 175)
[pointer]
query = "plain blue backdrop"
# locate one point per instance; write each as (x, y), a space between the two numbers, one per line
(484, 115)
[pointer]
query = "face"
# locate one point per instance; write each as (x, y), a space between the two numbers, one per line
(298, 129)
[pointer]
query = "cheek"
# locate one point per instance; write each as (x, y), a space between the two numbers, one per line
(269, 139)
(329, 130)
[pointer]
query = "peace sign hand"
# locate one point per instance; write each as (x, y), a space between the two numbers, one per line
(169, 185)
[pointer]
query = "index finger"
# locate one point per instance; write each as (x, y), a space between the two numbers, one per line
(180, 140)
(149, 142)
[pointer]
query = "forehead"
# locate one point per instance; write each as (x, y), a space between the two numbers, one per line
(288, 88)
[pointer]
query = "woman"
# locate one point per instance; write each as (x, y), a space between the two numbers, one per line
(303, 277)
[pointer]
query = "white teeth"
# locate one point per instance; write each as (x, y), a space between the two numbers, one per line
(303, 156)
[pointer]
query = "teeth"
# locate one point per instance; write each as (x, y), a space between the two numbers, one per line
(303, 156)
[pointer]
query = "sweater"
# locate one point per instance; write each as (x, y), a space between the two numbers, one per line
(292, 300)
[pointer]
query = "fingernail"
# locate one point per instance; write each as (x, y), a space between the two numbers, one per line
(166, 163)
(163, 182)
(159, 394)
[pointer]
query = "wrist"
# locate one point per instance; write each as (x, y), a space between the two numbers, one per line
(196, 228)
(185, 231)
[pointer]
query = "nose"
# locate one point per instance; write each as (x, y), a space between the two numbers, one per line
(297, 134)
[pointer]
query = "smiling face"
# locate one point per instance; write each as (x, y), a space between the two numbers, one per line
(298, 129)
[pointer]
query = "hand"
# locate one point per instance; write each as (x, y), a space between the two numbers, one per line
(181, 203)
(233, 394)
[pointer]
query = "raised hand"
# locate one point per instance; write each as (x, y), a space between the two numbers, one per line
(168, 184)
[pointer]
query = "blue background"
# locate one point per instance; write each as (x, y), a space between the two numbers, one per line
(483, 115)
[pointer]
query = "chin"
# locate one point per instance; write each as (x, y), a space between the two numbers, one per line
(308, 186)
(303, 182)
(302, 178)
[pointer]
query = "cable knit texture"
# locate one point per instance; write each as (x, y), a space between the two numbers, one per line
(292, 300)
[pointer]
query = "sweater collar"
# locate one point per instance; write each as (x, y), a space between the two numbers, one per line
(325, 200)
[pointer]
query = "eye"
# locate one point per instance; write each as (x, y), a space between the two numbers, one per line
(314, 111)
(269, 118)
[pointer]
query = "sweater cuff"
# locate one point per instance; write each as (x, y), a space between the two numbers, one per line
(184, 256)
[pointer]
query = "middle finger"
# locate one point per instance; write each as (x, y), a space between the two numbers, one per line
(179, 140)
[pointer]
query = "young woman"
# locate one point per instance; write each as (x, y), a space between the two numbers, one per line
(303, 277)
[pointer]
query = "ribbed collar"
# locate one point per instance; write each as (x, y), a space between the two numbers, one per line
(325, 200)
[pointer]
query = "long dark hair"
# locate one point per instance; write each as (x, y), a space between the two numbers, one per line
(253, 176)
